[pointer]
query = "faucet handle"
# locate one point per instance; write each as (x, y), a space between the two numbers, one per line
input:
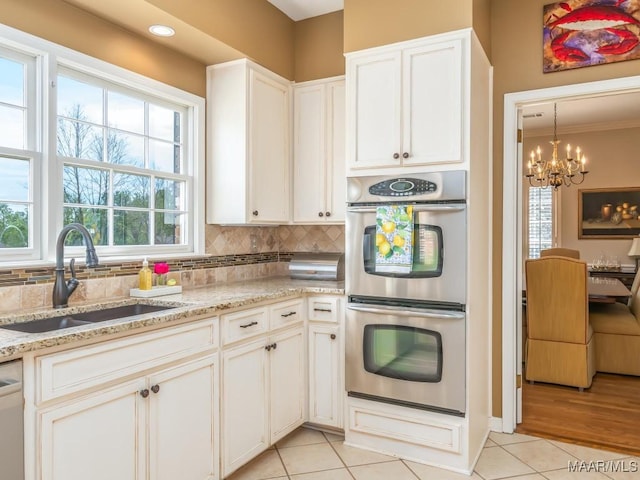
(72, 265)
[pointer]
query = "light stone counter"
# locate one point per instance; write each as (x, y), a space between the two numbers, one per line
(208, 300)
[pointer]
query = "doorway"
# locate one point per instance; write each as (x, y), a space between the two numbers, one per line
(512, 226)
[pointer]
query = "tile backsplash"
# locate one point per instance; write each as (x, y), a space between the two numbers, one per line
(233, 254)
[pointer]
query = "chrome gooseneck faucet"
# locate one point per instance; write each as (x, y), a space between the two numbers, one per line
(62, 290)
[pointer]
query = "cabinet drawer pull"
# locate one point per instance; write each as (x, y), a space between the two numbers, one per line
(405, 155)
(332, 336)
(327, 214)
(288, 314)
(320, 214)
(144, 393)
(396, 155)
(328, 310)
(249, 324)
(255, 213)
(267, 348)
(274, 345)
(155, 388)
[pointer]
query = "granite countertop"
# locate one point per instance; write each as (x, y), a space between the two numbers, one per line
(206, 300)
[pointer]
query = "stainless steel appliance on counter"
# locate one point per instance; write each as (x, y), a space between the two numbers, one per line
(406, 327)
(11, 421)
(317, 266)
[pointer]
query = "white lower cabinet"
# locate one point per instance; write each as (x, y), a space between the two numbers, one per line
(143, 407)
(287, 383)
(326, 360)
(159, 427)
(325, 393)
(97, 437)
(182, 410)
(263, 395)
(245, 419)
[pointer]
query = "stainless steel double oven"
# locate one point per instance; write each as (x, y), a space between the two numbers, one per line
(406, 328)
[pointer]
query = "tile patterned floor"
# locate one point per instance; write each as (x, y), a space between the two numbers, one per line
(312, 455)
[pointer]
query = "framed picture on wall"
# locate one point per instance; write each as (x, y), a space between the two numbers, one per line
(583, 33)
(609, 213)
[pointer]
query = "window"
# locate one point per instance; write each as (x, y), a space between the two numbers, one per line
(540, 223)
(123, 167)
(117, 152)
(19, 162)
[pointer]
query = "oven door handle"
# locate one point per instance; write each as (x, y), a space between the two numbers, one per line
(407, 311)
(416, 208)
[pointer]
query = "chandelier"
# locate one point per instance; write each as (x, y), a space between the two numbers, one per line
(556, 172)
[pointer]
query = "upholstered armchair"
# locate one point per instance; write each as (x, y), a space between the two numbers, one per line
(560, 252)
(616, 329)
(559, 347)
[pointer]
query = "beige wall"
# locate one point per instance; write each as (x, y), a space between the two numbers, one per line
(254, 27)
(482, 24)
(71, 27)
(516, 54)
(318, 47)
(371, 23)
(611, 155)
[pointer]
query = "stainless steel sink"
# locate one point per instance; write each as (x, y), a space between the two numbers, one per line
(66, 321)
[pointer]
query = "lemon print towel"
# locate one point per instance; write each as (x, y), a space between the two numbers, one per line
(394, 238)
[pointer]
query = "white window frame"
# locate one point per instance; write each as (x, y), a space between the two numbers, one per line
(30, 153)
(555, 199)
(50, 218)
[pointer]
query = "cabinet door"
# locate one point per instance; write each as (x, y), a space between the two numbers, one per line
(287, 382)
(336, 148)
(182, 416)
(101, 437)
(245, 419)
(374, 111)
(309, 154)
(325, 373)
(432, 113)
(268, 150)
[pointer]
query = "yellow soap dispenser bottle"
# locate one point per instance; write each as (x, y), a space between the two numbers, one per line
(145, 277)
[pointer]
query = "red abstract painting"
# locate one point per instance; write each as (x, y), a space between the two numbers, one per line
(582, 33)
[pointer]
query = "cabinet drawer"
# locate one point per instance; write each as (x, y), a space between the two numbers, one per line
(286, 313)
(83, 368)
(244, 324)
(323, 309)
(408, 430)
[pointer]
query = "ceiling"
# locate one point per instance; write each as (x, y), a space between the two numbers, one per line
(604, 112)
(300, 9)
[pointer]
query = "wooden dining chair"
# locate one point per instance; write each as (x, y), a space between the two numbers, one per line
(559, 347)
(561, 252)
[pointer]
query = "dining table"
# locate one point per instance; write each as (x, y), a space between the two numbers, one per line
(599, 290)
(606, 290)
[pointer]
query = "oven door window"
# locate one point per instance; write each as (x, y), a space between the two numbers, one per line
(427, 252)
(404, 353)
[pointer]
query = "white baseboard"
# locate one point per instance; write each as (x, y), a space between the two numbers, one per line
(495, 424)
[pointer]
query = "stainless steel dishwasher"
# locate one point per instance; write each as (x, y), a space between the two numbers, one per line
(11, 421)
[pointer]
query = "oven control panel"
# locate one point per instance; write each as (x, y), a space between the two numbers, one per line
(402, 187)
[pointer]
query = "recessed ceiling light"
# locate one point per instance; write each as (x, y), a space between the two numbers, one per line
(162, 30)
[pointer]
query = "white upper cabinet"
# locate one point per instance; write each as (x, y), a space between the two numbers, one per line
(248, 122)
(405, 104)
(319, 173)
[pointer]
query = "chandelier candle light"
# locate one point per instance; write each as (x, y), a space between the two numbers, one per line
(556, 172)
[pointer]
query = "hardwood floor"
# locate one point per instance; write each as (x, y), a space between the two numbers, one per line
(606, 416)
